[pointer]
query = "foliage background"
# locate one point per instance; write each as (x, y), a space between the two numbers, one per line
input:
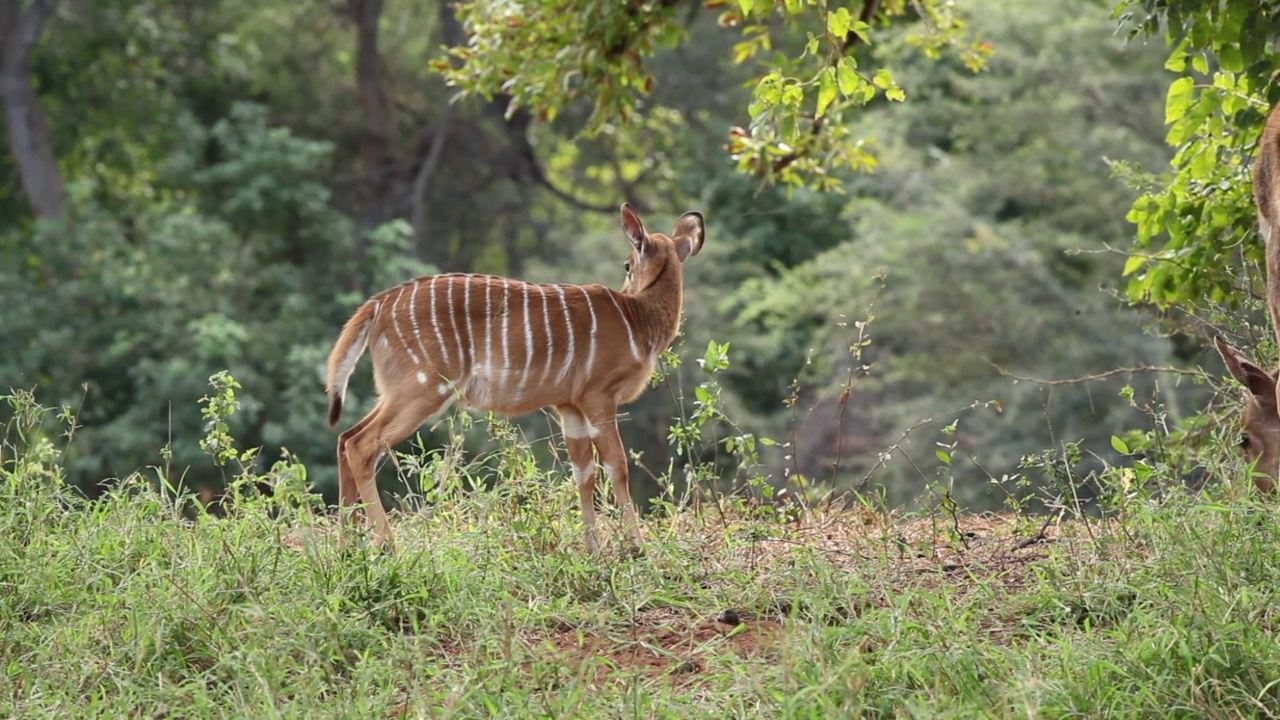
(239, 176)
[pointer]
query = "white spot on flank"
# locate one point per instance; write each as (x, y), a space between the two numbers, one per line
(442, 388)
(631, 337)
(422, 378)
(568, 330)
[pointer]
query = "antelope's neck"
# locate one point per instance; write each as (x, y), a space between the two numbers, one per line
(656, 309)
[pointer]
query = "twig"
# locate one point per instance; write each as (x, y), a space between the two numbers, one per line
(897, 445)
(1037, 538)
(1100, 376)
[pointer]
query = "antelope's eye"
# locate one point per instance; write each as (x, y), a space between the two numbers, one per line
(1244, 440)
(626, 266)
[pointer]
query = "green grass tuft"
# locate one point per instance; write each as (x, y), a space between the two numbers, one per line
(489, 607)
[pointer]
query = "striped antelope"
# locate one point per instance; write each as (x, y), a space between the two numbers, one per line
(511, 346)
(1260, 440)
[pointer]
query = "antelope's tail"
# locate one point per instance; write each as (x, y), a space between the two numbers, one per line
(345, 354)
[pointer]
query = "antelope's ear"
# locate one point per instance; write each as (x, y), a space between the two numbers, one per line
(689, 234)
(634, 229)
(1257, 380)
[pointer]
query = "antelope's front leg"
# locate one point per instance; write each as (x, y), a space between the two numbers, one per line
(577, 440)
(613, 456)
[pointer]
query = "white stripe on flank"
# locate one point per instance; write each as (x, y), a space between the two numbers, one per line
(413, 318)
(528, 340)
(435, 323)
(551, 340)
(506, 326)
(631, 337)
(568, 329)
(591, 338)
(453, 320)
(488, 326)
(471, 336)
(396, 325)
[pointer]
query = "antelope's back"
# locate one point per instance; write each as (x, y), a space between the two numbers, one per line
(503, 344)
(1266, 175)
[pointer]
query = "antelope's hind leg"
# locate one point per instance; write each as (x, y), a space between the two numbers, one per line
(347, 495)
(577, 440)
(360, 448)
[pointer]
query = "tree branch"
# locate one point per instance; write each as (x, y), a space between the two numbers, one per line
(851, 40)
(29, 140)
(422, 181)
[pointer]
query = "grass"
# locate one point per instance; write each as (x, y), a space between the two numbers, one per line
(490, 608)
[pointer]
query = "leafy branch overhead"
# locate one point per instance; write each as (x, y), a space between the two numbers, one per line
(548, 55)
(1191, 225)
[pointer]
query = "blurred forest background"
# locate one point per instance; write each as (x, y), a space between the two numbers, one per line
(194, 186)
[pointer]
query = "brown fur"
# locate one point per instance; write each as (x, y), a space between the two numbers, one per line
(500, 344)
(1260, 437)
(1261, 440)
(1266, 195)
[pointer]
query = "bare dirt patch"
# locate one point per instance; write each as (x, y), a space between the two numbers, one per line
(663, 643)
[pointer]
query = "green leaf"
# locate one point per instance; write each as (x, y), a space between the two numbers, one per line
(1119, 445)
(847, 76)
(883, 79)
(1181, 92)
(1231, 59)
(1133, 264)
(746, 6)
(838, 23)
(826, 89)
(943, 455)
(1177, 61)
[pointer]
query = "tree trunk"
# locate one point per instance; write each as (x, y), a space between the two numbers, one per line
(29, 140)
(375, 151)
(422, 182)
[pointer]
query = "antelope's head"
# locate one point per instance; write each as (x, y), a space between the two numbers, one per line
(1260, 436)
